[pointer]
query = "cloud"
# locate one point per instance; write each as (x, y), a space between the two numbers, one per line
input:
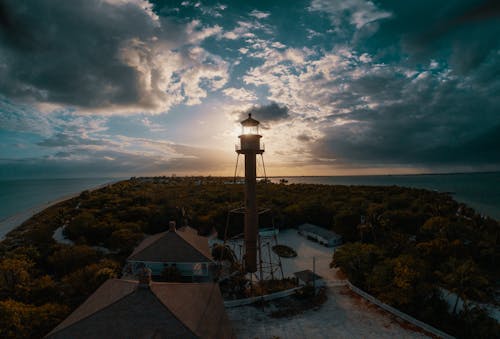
(22, 118)
(104, 56)
(153, 127)
(308, 83)
(346, 83)
(239, 94)
(464, 34)
(370, 113)
(197, 35)
(91, 162)
(266, 113)
(259, 14)
(246, 30)
(414, 122)
(358, 12)
(63, 140)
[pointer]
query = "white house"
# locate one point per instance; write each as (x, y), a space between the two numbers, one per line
(321, 235)
(181, 248)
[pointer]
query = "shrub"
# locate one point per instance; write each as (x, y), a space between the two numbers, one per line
(284, 251)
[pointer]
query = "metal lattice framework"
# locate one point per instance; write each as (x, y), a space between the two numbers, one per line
(269, 264)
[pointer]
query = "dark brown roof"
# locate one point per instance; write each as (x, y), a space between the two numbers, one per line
(307, 276)
(122, 309)
(183, 245)
(250, 121)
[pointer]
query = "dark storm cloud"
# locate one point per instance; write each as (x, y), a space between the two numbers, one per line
(269, 113)
(426, 121)
(428, 94)
(304, 138)
(99, 55)
(67, 51)
(464, 33)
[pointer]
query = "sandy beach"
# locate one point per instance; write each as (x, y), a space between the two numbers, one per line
(17, 219)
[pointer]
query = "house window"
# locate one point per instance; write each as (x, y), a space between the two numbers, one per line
(200, 269)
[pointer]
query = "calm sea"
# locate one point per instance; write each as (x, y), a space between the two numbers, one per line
(480, 191)
(23, 194)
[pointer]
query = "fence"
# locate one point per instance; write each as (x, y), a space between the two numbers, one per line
(390, 309)
(358, 291)
(247, 301)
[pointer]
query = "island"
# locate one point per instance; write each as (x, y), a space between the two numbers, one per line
(408, 247)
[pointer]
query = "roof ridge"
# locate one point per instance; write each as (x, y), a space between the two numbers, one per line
(193, 246)
(57, 329)
(153, 238)
(171, 312)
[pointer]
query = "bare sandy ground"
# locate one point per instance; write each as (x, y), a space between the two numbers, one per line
(12, 222)
(344, 314)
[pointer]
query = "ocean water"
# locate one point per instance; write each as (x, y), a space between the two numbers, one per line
(20, 195)
(480, 191)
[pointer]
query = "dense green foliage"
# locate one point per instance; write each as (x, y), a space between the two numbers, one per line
(413, 241)
(456, 253)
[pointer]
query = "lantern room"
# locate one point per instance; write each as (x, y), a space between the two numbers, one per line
(250, 126)
(250, 137)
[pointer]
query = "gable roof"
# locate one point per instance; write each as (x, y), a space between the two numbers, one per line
(307, 276)
(121, 308)
(182, 245)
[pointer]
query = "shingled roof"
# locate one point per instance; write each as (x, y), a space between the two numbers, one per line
(182, 245)
(307, 276)
(125, 309)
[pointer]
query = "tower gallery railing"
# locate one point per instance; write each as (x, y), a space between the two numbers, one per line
(237, 147)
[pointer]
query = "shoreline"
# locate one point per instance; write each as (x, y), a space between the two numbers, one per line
(14, 221)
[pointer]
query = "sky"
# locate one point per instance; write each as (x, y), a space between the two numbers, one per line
(136, 87)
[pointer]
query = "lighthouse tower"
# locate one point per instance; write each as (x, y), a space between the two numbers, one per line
(250, 147)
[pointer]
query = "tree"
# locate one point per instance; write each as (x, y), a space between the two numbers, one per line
(84, 281)
(356, 260)
(67, 258)
(124, 240)
(44, 289)
(15, 276)
(465, 280)
(223, 252)
(435, 227)
(78, 227)
(20, 320)
(476, 323)
(345, 223)
(400, 281)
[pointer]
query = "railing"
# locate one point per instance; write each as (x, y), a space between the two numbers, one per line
(272, 296)
(390, 309)
(237, 147)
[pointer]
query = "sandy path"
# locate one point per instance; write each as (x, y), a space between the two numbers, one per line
(344, 315)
